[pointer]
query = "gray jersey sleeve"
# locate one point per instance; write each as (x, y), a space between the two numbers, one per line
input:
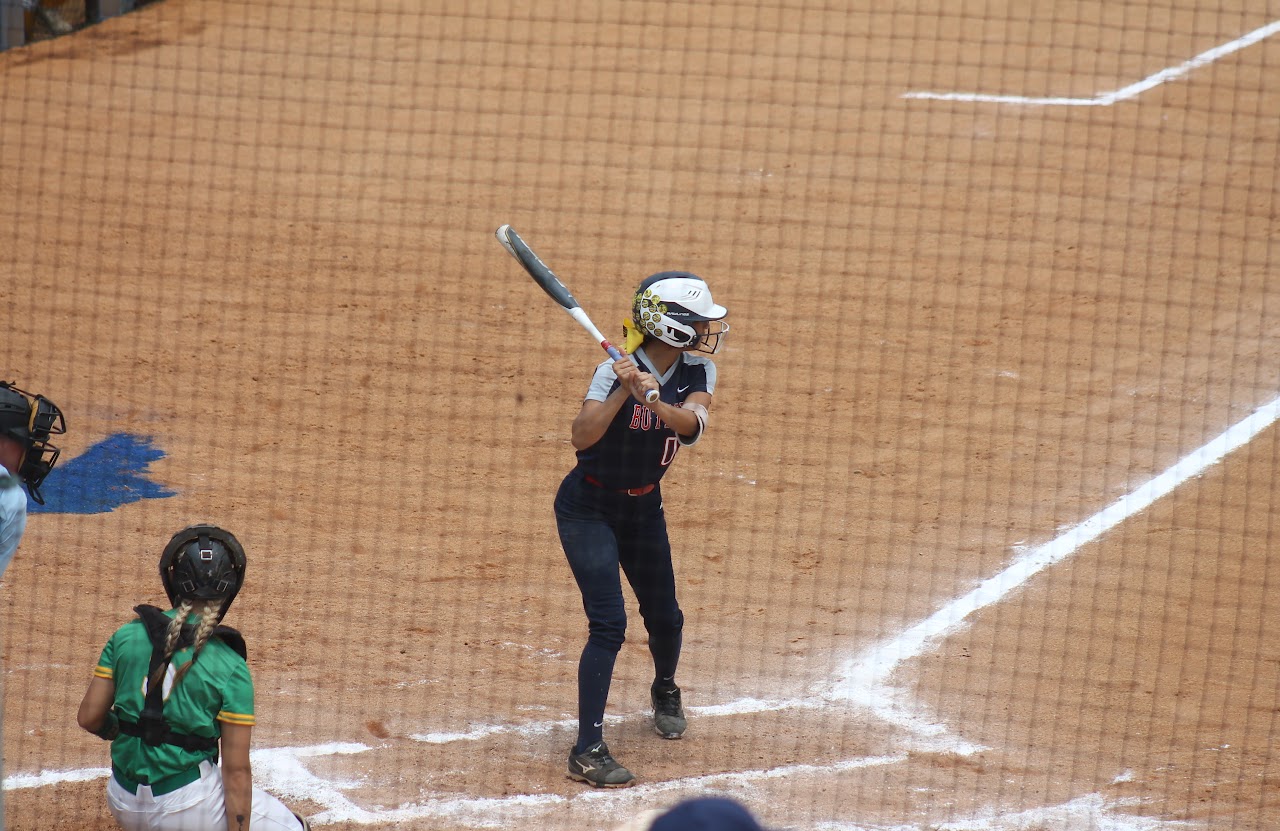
(708, 366)
(602, 382)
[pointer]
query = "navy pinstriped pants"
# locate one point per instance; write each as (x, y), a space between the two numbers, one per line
(606, 535)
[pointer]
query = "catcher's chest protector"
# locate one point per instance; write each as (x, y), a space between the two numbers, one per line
(152, 727)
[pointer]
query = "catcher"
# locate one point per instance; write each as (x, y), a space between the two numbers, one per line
(172, 691)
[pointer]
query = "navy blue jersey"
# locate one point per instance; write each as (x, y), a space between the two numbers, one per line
(638, 446)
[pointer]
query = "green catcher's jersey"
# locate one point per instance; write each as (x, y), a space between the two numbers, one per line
(217, 688)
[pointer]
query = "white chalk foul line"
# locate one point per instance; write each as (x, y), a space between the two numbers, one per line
(864, 679)
(1107, 98)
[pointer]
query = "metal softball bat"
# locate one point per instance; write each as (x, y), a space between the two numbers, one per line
(557, 291)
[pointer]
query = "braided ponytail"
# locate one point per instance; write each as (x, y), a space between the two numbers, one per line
(171, 636)
(208, 622)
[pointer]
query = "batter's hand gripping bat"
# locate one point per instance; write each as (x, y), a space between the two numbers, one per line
(551, 284)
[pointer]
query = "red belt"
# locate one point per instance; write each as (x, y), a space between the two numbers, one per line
(591, 480)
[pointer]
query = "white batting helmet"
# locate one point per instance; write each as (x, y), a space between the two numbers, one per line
(667, 303)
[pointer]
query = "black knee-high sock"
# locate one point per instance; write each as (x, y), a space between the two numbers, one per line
(595, 672)
(666, 656)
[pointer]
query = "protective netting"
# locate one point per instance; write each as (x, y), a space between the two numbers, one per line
(978, 535)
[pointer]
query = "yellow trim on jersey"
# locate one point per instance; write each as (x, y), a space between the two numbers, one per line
(242, 719)
(103, 672)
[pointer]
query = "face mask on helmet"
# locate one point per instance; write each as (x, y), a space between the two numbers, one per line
(203, 563)
(668, 304)
(29, 420)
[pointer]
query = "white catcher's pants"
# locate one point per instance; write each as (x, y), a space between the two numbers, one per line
(194, 807)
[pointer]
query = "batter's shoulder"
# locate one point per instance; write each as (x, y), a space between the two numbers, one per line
(700, 371)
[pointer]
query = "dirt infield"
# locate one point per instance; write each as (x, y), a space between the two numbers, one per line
(260, 238)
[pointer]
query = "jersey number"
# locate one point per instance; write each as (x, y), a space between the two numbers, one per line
(669, 450)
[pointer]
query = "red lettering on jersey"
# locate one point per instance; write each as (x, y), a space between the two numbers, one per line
(642, 418)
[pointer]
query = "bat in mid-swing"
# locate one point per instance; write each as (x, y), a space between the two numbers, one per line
(551, 284)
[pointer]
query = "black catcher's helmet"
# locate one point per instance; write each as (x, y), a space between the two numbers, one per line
(203, 562)
(30, 419)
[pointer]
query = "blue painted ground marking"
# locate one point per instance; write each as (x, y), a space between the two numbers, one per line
(107, 475)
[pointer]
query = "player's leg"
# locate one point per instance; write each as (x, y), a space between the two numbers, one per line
(645, 557)
(270, 814)
(129, 812)
(644, 552)
(197, 805)
(592, 552)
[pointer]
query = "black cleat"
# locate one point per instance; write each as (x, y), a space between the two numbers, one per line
(597, 768)
(668, 712)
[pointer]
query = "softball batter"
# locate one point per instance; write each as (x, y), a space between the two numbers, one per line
(171, 690)
(609, 507)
